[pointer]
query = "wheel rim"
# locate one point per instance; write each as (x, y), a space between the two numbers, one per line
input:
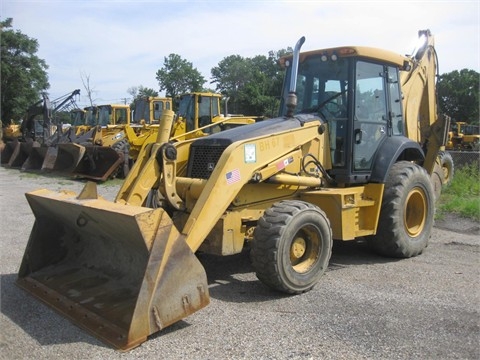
(446, 173)
(414, 216)
(305, 249)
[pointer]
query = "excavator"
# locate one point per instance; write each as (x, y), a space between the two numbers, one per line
(350, 156)
(38, 135)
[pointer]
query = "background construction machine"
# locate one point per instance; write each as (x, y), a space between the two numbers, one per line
(197, 110)
(38, 134)
(463, 136)
(346, 158)
(107, 154)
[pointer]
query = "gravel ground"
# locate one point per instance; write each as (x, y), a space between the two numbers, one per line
(365, 307)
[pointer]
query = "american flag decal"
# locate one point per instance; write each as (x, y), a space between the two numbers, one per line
(233, 176)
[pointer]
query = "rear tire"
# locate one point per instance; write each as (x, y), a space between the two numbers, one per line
(292, 246)
(446, 161)
(122, 170)
(406, 216)
(437, 177)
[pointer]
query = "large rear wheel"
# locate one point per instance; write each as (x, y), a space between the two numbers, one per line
(292, 246)
(406, 216)
(437, 178)
(122, 170)
(446, 161)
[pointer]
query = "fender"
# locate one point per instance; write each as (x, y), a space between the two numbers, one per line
(392, 150)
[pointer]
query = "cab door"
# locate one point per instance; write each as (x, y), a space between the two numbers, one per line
(370, 113)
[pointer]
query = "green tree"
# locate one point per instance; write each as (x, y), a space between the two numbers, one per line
(178, 76)
(458, 93)
(23, 73)
(230, 76)
(253, 85)
(140, 92)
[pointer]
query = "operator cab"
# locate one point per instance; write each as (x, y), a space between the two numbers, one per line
(358, 97)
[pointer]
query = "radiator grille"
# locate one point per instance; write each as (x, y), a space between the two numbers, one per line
(203, 160)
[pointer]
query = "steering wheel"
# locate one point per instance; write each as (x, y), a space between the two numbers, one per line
(336, 109)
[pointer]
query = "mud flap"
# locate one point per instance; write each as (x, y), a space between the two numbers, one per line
(98, 163)
(121, 272)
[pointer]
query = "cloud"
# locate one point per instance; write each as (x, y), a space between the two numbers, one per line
(120, 44)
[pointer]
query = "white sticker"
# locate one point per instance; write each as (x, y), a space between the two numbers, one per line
(250, 153)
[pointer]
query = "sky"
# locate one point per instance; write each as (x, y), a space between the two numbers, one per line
(121, 44)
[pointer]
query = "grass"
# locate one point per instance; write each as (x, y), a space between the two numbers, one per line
(462, 195)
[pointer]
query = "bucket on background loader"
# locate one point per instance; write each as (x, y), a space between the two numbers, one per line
(98, 163)
(64, 158)
(120, 272)
(7, 151)
(21, 153)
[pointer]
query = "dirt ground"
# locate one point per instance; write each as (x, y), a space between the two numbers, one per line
(456, 223)
(364, 307)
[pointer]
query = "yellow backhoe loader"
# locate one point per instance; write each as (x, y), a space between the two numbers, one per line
(346, 158)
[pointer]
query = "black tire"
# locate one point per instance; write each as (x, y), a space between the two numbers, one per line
(292, 246)
(437, 177)
(122, 147)
(446, 161)
(407, 212)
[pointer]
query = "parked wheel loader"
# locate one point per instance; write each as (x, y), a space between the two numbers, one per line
(198, 114)
(349, 156)
(107, 156)
(121, 145)
(463, 136)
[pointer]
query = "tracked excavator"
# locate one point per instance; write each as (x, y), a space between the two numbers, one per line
(350, 155)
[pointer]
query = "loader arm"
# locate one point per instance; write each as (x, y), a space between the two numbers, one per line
(233, 172)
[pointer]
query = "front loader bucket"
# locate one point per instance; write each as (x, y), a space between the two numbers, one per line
(8, 151)
(21, 153)
(65, 159)
(35, 158)
(99, 163)
(121, 272)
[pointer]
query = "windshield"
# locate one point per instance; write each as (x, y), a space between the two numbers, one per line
(77, 118)
(141, 111)
(91, 117)
(322, 87)
(186, 110)
(104, 115)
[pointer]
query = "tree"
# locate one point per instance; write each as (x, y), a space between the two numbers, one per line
(23, 74)
(458, 93)
(139, 92)
(88, 88)
(178, 76)
(253, 85)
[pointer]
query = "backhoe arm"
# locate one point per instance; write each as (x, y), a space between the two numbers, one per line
(423, 123)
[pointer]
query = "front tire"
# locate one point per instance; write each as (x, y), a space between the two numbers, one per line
(292, 246)
(406, 216)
